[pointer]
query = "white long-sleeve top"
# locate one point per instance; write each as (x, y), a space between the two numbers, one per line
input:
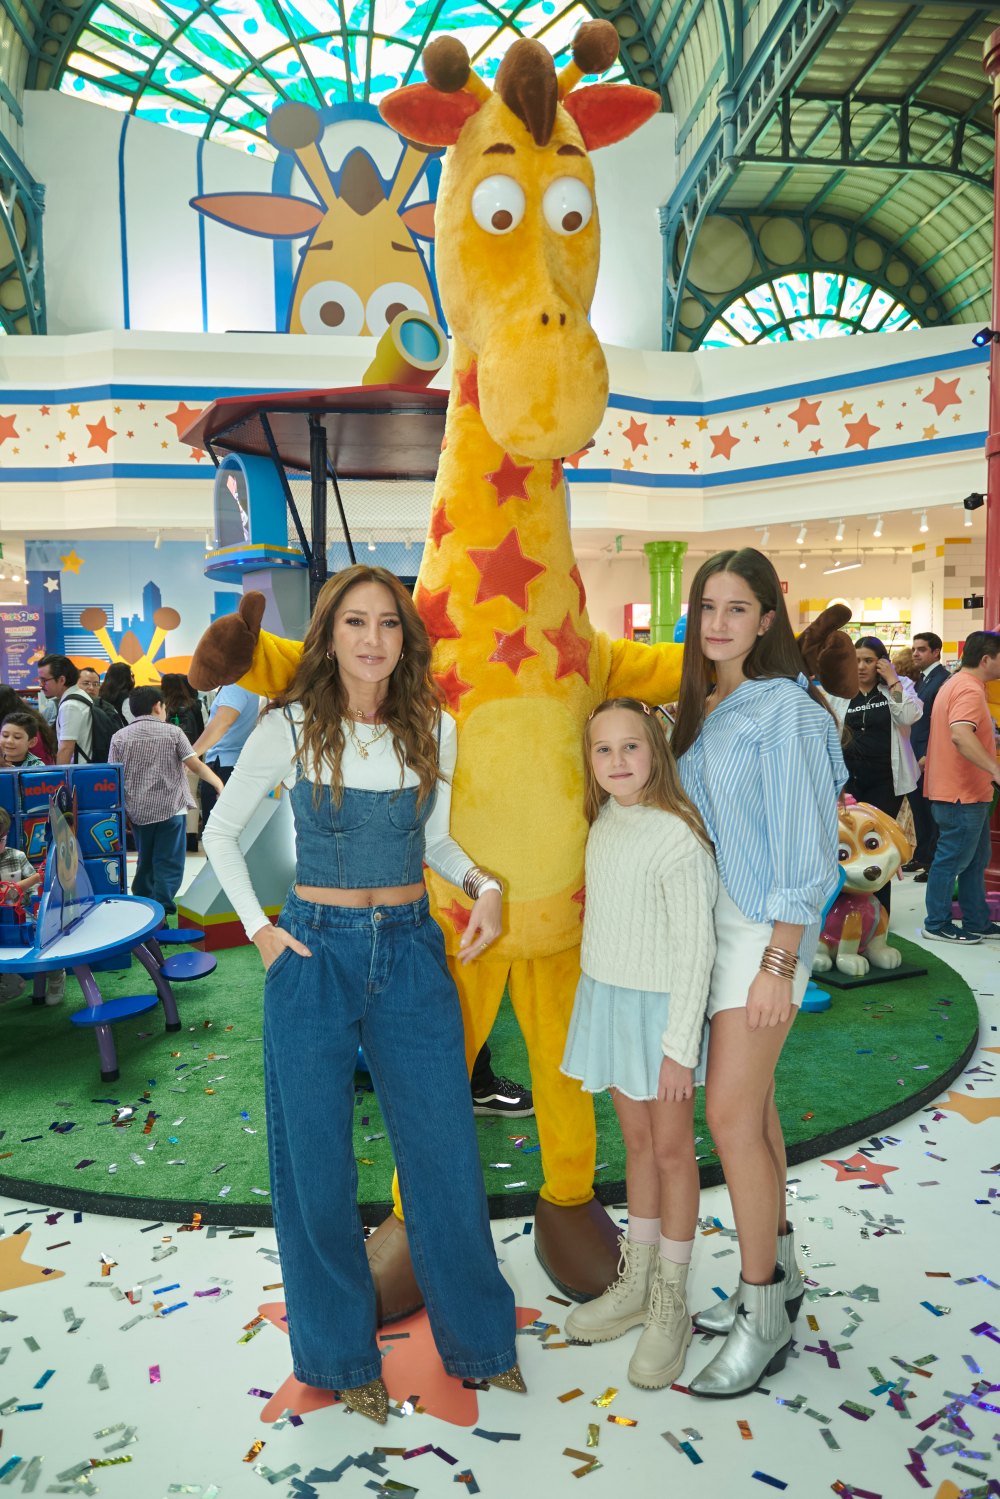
(648, 921)
(268, 759)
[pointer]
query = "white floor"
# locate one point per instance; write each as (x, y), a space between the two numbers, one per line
(905, 1292)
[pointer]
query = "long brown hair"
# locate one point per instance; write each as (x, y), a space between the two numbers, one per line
(774, 654)
(411, 706)
(663, 789)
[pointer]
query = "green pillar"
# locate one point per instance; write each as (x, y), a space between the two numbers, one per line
(665, 558)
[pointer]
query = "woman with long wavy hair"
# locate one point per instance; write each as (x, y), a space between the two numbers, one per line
(759, 756)
(356, 958)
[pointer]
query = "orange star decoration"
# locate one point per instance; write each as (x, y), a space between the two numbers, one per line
(636, 434)
(183, 417)
(433, 610)
(197, 454)
(573, 459)
(944, 394)
(816, 445)
(509, 480)
(440, 525)
(858, 1168)
(976, 1110)
(574, 573)
(860, 433)
(13, 1270)
(806, 414)
(506, 571)
(701, 424)
(847, 409)
(573, 651)
(452, 686)
(723, 443)
(512, 649)
(930, 433)
(71, 562)
(73, 411)
(100, 435)
(468, 387)
(7, 428)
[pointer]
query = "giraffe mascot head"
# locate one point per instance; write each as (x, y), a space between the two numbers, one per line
(515, 655)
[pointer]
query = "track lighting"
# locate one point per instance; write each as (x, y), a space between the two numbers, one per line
(840, 532)
(766, 536)
(923, 520)
(878, 528)
(801, 536)
(371, 544)
(157, 539)
(803, 562)
(968, 517)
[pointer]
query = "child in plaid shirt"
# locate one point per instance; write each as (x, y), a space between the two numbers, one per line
(17, 871)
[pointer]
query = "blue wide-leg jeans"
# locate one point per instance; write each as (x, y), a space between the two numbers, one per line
(962, 853)
(377, 978)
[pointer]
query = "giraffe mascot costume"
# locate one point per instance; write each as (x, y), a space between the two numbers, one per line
(518, 662)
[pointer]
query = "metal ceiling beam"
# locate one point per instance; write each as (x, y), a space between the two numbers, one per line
(885, 46)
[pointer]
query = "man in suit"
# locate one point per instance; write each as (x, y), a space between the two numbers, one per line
(933, 675)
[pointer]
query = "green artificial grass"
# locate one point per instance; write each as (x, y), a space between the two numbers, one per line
(876, 1056)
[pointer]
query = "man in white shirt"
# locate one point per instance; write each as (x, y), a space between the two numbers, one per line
(58, 679)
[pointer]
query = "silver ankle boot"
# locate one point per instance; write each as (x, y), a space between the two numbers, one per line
(624, 1303)
(719, 1318)
(756, 1345)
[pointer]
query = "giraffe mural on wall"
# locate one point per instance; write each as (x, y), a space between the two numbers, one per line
(518, 662)
(361, 263)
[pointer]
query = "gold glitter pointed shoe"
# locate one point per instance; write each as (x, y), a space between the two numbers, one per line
(510, 1379)
(371, 1400)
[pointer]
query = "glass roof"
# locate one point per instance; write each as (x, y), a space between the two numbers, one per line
(823, 304)
(217, 68)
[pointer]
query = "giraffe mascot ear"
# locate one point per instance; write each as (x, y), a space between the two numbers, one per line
(226, 650)
(829, 654)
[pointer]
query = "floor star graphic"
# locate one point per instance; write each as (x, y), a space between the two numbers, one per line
(975, 1110)
(858, 1168)
(806, 414)
(100, 434)
(14, 1271)
(71, 562)
(944, 394)
(723, 443)
(635, 432)
(505, 571)
(860, 433)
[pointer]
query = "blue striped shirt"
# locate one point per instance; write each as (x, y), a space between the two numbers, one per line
(765, 772)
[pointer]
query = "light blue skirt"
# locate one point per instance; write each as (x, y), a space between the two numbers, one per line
(614, 1039)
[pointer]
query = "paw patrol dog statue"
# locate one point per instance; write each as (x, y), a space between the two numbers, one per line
(872, 847)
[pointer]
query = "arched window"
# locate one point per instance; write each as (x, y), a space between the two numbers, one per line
(217, 68)
(820, 304)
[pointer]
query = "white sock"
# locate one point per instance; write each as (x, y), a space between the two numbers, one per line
(643, 1230)
(677, 1251)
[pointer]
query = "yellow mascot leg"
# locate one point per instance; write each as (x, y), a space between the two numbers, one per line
(575, 1240)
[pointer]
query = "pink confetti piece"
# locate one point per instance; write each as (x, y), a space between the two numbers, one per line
(154, 1374)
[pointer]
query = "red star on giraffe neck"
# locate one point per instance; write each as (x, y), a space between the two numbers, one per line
(452, 686)
(509, 480)
(440, 525)
(574, 573)
(506, 571)
(573, 651)
(468, 387)
(512, 649)
(433, 610)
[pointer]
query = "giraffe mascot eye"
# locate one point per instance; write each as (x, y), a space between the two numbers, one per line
(567, 205)
(498, 204)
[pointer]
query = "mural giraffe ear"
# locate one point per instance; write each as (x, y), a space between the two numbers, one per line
(608, 112)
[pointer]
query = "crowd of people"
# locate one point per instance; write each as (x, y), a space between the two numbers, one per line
(711, 858)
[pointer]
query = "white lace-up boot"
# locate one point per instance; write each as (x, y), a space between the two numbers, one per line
(624, 1303)
(659, 1355)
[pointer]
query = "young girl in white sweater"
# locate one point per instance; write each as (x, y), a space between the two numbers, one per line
(639, 1018)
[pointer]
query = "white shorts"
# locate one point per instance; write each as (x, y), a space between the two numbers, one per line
(740, 944)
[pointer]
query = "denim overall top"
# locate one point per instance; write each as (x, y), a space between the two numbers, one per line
(373, 839)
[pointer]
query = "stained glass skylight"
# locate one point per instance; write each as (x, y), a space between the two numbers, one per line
(823, 304)
(217, 68)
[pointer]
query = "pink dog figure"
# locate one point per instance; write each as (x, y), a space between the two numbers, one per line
(872, 847)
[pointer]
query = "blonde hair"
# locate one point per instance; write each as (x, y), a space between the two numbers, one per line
(663, 789)
(412, 704)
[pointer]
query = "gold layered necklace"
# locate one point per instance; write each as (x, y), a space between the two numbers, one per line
(364, 745)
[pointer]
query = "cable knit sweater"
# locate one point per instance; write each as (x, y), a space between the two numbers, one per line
(651, 889)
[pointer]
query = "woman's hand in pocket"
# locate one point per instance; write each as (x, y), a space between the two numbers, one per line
(271, 942)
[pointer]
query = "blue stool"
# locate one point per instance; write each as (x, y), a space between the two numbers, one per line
(815, 1000)
(177, 936)
(101, 1016)
(185, 967)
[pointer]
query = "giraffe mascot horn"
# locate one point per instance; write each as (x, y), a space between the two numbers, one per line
(518, 662)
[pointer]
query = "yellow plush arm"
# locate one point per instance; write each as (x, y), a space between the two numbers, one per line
(275, 662)
(651, 673)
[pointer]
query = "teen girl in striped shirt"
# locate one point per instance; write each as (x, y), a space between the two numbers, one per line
(759, 755)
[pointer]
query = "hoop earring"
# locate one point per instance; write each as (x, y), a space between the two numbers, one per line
(332, 656)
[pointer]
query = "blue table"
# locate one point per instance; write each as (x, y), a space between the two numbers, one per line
(120, 923)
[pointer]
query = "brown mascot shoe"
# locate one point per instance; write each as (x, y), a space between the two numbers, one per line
(577, 1247)
(225, 651)
(397, 1294)
(829, 654)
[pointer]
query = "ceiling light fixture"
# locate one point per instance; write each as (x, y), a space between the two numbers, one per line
(968, 517)
(840, 532)
(801, 536)
(157, 539)
(766, 536)
(878, 528)
(803, 562)
(923, 520)
(842, 567)
(371, 544)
